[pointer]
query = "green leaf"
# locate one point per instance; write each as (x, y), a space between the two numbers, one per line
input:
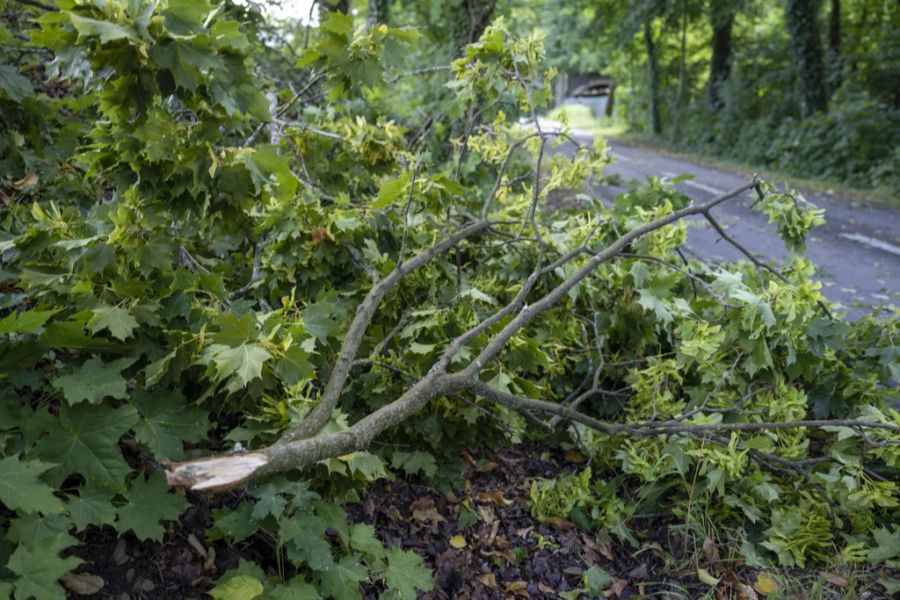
(15, 86)
(887, 545)
(234, 525)
(239, 587)
(27, 321)
(293, 590)
(342, 581)
(338, 22)
(92, 506)
(167, 421)
(235, 330)
(117, 320)
(105, 30)
(363, 539)
(39, 569)
(20, 488)
(149, 502)
(86, 441)
(294, 365)
(187, 61)
(391, 190)
(415, 462)
(243, 363)
(405, 574)
(93, 381)
(304, 540)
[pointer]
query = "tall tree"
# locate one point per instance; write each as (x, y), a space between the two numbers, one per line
(806, 47)
(468, 20)
(326, 6)
(652, 77)
(722, 20)
(834, 41)
(378, 11)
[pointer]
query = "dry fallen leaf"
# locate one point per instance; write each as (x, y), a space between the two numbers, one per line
(765, 583)
(615, 590)
(424, 511)
(458, 541)
(487, 467)
(196, 545)
(489, 580)
(710, 550)
(835, 579)
(519, 588)
(546, 588)
(83, 583)
(27, 181)
(745, 592)
(495, 496)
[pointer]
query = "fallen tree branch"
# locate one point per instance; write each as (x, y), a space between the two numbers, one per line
(300, 446)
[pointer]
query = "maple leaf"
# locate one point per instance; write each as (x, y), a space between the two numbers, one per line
(149, 502)
(20, 488)
(93, 381)
(117, 320)
(85, 440)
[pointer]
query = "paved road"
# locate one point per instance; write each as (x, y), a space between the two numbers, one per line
(857, 251)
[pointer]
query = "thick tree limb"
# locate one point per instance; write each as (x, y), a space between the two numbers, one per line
(301, 446)
(364, 313)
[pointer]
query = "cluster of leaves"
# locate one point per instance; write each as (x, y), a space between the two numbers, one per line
(172, 287)
(306, 531)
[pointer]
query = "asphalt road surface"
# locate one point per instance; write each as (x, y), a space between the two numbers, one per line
(857, 251)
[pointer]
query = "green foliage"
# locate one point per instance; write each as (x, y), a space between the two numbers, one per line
(172, 286)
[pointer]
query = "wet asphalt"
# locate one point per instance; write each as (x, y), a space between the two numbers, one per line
(857, 250)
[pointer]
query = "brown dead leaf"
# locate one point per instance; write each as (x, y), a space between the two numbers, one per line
(4, 198)
(488, 580)
(210, 563)
(710, 550)
(546, 588)
(746, 592)
(560, 522)
(519, 588)
(29, 180)
(196, 545)
(524, 531)
(835, 579)
(615, 590)
(83, 583)
(495, 496)
(424, 511)
(487, 514)
(487, 467)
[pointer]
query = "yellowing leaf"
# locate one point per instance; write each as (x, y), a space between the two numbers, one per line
(391, 190)
(458, 541)
(707, 578)
(765, 583)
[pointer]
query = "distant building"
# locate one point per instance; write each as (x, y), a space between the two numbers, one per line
(589, 89)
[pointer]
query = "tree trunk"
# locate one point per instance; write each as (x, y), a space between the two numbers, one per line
(682, 75)
(327, 6)
(806, 48)
(722, 18)
(834, 42)
(378, 12)
(652, 78)
(468, 22)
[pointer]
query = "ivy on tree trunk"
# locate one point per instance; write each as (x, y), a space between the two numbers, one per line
(806, 47)
(722, 20)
